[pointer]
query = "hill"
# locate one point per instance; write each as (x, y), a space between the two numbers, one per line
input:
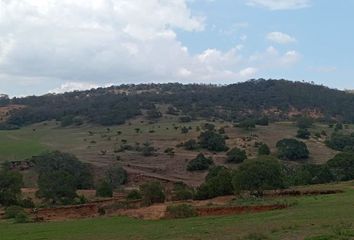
(278, 99)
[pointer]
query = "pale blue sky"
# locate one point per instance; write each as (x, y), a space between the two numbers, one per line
(55, 46)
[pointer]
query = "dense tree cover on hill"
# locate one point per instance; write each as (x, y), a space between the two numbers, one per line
(236, 102)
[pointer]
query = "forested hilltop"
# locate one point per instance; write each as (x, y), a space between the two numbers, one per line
(277, 99)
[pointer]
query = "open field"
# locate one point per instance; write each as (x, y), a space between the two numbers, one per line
(98, 145)
(311, 217)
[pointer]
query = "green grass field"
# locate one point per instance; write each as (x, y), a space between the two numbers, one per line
(312, 218)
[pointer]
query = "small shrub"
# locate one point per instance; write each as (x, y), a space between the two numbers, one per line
(303, 133)
(263, 149)
(134, 195)
(236, 155)
(181, 211)
(21, 217)
(104, 189)
(152, 192)
(12, 211)
(200, 163)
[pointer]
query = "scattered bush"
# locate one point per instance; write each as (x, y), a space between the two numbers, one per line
(200, 163)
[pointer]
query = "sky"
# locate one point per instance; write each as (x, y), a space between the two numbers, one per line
(53, 46)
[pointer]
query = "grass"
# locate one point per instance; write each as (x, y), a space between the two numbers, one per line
(313, 217)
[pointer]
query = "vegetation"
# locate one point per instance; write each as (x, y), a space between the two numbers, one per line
(258, 175)
(200, 163)
(304, 122)
(134, 195)
(60, 175)
(182, 192)
(292, 149)
(10, 187)
(116, 176)
(263, 150)
(217, 183)
(303, 133)
(152, 192)
(341, 141)
(236, 155)
(104, 189)
(181, 211)
(212, 141)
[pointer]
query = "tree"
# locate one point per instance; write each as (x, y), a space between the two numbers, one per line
(152, 192)
(200, 163)
(258, 175)
(10, 187)
(60, 175)
(342, 166)
(292, 149)
(217, 183)
(247, 124)
(263, 150)
(303, 133)
(104, 189)
(212, 141)
(341, 141)
(116, 176)
(263, 121)
(58, 187)
(236, 155)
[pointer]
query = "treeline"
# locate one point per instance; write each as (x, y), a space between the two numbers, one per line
(236, 102)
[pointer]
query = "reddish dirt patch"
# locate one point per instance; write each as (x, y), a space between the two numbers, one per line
(217, 211)
(64, 213)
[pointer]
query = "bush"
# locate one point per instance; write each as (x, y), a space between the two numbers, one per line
(181, 211)
(116, 176)
(292, 149)
(12, 211)
(199, 163)
(10, 187)
(236, 155)
(340, 141)
(263, 150)
(191, 145)
(185, 119)
(134, 195)
(247, 124)
(27, 203)
(342, 166)
(21, 217)
(303, 133)
(217, 183)
(104, 189)
(182, 192)
(258, 175)
(310, 174)
(263, 121)
(152, 192)
(212, 141)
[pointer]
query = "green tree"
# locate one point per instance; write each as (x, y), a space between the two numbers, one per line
(258, 175)
(104, 189)
(304, 122)
(263, 150)
(212, 141)
(303, 133)
(116, 176)
(191, 145)
(342, 166)
(152, 192)
(10, 187)
(236, 155)
(200, 163)
(292, 149)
